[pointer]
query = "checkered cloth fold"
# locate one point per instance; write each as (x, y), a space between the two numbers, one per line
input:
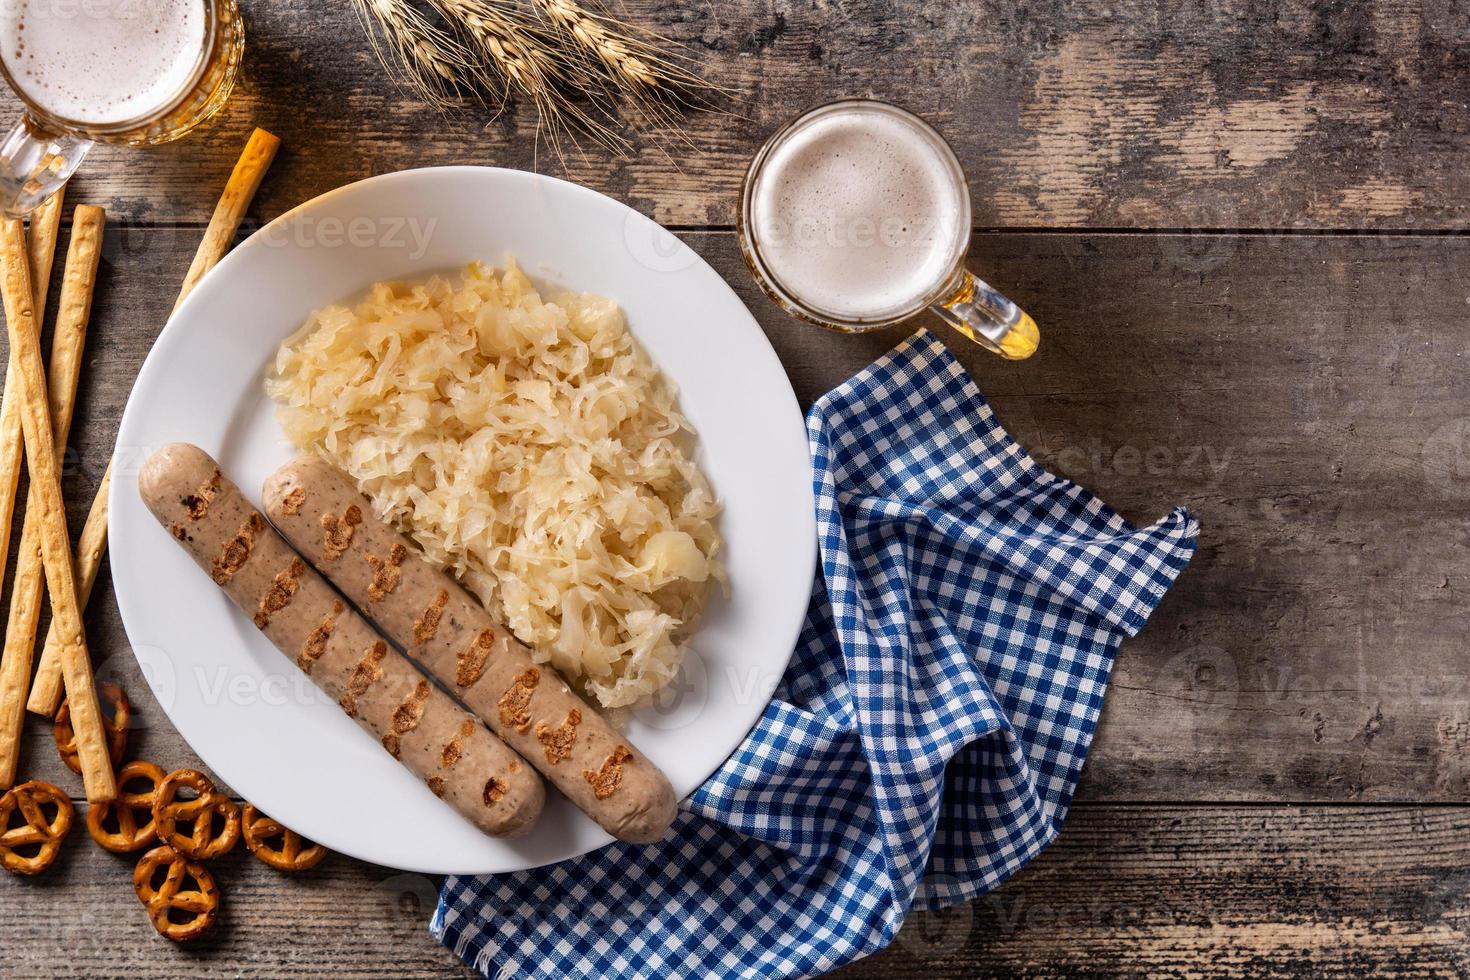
(926, 739)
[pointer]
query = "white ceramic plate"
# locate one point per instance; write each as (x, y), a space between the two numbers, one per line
(242, 706)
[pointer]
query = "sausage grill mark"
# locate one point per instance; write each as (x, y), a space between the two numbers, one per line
(291, 503)
(316, 640)
(337, 532)
(283, 587)
(559, 741)
(236, 551)
(406, 717)
(470, 665)
(427, 624)
(321, 631)
(364, 675)
(197, 503)
(494, 790)
(386, 574)
(605, 781)
(514, 702)
(454, 751)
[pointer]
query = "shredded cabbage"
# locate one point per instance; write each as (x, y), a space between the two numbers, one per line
(531, 447)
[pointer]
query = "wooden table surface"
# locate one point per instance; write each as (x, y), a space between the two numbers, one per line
(1241, 227)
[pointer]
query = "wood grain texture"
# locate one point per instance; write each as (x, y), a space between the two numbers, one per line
(343, 918)
(1117, 114)
(1146, 890)
(1302, 393)
(1213, 892)
(1305, 395)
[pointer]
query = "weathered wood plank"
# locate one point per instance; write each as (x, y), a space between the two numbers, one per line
(1304, 394)
(1208, 892)
(1200, 892)
(343, 918)
(1300, 113)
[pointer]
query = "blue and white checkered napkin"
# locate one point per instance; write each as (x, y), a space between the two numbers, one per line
(926, 740)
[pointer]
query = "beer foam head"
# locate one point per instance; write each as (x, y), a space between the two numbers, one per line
(860, 212)
(102, 62)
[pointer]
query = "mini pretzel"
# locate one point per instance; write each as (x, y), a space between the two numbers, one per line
(131, 807)
(36, 832)
(169, 812)
(165, 895)
(260, 831)
(115, 727)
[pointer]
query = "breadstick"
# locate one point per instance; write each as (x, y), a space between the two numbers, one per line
(41, 252)
(239, 192)
(30, 582)
(254, 161)
(47, 688)
(20, 324)
(41, 247)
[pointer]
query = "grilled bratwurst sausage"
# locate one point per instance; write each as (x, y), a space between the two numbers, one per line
(462, 762)
(446, 630)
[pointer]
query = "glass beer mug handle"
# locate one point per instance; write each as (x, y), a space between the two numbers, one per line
(34, 164)
(989, 319)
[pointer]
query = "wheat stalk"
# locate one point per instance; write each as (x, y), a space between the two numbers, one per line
(431, 62)
(526, 61)
(630, 61)
(613, 50)
(572, 65)
(648, 71)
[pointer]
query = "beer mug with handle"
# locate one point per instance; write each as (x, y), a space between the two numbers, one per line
(134, 72)
(856, 215)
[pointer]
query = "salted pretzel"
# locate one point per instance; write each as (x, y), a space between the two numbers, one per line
(293, 853)
(201, 842)
(132, 806)
(31, 845)
(178, 912)
(115, 726)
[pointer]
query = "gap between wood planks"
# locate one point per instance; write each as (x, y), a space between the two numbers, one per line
(1001, 230)
(1181, 805)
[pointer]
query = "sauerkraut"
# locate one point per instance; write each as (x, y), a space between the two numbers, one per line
(531, 447)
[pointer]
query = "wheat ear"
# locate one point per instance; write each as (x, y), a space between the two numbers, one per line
(639, 64)
(431, 62)
(528, 63)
